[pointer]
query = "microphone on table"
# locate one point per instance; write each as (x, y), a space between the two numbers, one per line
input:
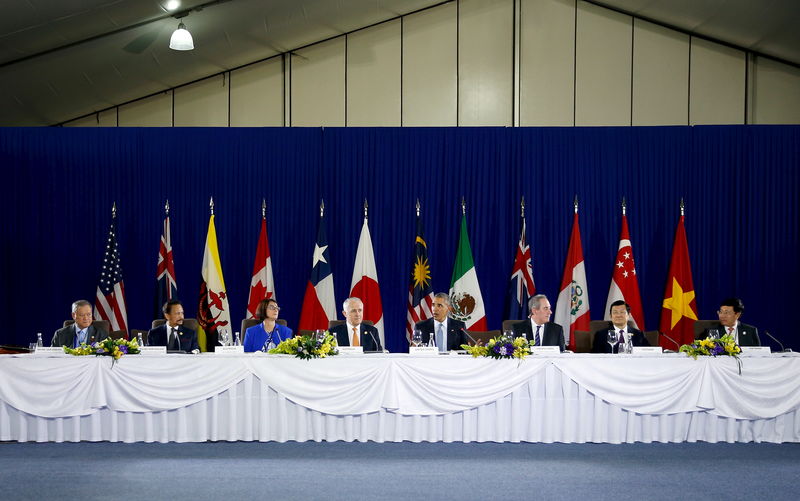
(378, 346)
(783, 350)
(676, 343)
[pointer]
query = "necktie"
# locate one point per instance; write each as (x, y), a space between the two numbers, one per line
(440, 338)
(81, 337)
(355, 337)
(537, 341)
(621, 336)
(173, 339)
(732, 334)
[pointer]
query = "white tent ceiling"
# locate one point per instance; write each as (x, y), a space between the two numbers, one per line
(60, 59)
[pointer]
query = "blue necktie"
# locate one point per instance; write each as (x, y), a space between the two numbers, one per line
(440, 339)
(81, 337)
(537, 341)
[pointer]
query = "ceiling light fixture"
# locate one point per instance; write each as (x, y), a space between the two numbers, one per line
(172, 5)
(181, 39)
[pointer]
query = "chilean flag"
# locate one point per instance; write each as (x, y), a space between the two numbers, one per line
(262, 284)
(365, 281)
(319, 304)
(572, 308)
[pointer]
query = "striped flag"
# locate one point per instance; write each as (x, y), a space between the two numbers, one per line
(319, 305)
(572, 308)
(262, 285)
(213, 312)
(110, 298)
(465, 292)
(166, 286)
(420, 290)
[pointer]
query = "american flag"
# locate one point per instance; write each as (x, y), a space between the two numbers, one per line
(110, 300)
(166, 286)
(420, 290)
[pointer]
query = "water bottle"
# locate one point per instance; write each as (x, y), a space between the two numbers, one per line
(39, 342)
(238, 341)
(139, 339)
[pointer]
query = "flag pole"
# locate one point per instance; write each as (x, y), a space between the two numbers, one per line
(166, 208)
(463, 206)
(211, 205)
(522, 206)
(321, 207)
(263, 208)
(366, 207)
(682, 207)
(575, 203)
(417, 206)
(114, 210)
(623, 205)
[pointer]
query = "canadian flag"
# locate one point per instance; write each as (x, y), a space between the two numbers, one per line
(365, 281)
(624, 282)
(262, 285)
(572, 308)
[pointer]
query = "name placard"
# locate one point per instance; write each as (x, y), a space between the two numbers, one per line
(228, 349)
(423, 350)
(351, 350)
(545, 350)
(153, 350)
(647, 350)
(755, 351)
(49, 351)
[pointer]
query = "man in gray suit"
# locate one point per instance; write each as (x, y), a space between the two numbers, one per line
(729, 313)
(82, 331)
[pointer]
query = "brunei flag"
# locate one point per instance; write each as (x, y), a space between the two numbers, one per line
(213, 314)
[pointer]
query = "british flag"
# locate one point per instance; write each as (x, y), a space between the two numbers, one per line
(166, 286)
(110, 300)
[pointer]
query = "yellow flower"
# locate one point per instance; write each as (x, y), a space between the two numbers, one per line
(705, 343)
(491, 342)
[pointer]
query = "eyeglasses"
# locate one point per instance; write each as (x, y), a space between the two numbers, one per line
(272, 307)
(725, 313)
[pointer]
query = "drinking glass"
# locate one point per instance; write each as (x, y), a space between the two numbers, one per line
(319, 334)
(416, 337)
(713, 333)
(612, 339)
(32, 347)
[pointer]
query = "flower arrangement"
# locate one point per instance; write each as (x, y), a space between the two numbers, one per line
(724, 346)
(500, 347)
(308, 347)
(108, 347)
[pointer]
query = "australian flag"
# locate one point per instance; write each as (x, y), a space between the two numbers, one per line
(521, 286)
(110, 297)
(166, 286)
(420, 290)
(319, 304)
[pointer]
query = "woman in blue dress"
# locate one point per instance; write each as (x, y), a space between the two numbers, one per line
(258, 337)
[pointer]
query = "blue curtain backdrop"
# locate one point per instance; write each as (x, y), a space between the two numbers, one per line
(740, 184)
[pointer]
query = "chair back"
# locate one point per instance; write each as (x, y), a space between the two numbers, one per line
(483, 336)
(118, 335)
(508, 325)
(99, 324)
(583, 342)
(700, 327)
(334, 323)
(652, 337)
(189, 323)
(304, 332)
(249, 322)
(597, 325)
(135, 334)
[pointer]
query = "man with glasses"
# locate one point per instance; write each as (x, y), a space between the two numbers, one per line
(538, 329)
(729, 313)
(172, 333)
(82, 331)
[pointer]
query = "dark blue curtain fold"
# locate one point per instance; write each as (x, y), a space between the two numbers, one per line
(740, 185)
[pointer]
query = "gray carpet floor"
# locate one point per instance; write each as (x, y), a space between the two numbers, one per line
(403, 471)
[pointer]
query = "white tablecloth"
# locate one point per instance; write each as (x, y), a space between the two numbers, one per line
(567, 398)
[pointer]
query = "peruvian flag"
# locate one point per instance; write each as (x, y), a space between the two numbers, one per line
(679, 309)
(364, 284)
(110, 296)
(465, 292)
(624, 282)
(572, 309)
(262, 285)
(319, 305)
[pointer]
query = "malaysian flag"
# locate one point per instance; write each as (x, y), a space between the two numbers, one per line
(110, 300)
(420, 290)
(521, 286)
(166, 287)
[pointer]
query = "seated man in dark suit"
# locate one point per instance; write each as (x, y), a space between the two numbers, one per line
(539, 330)
(620, 313)
(729, 313)
(353, 332)
(82, 331)
(172, 333)
(448, 333)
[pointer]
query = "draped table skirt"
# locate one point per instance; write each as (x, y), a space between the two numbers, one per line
(392, 398)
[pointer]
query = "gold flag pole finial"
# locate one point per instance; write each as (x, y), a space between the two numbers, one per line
(417, 207)
(114, 210)
(575, 203)
(366, 208)
(166, 207)
(211, 205)
(522, 206)
(263, 208)
(624, 205)
(321, 207)
(463, 206)
(683, 207)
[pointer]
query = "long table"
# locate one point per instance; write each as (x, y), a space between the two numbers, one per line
(397, 397)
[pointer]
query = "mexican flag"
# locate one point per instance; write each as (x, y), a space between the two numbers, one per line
(465, 293)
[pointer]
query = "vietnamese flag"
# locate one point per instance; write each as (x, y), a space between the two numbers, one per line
(679, 310)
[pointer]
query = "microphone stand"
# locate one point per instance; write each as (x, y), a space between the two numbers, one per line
(783, 350)
(675, 342)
